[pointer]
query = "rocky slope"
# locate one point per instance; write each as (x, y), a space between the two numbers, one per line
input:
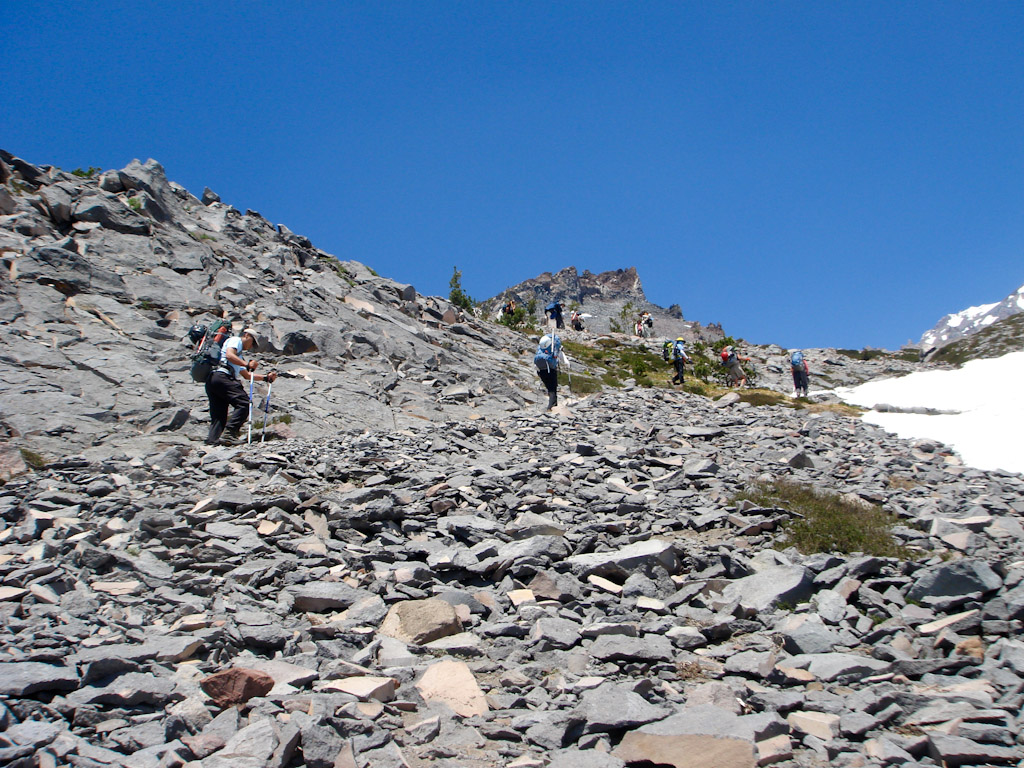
(563, 591)
(972, 320)
(429, 571)
(103, 277)
(603, 296)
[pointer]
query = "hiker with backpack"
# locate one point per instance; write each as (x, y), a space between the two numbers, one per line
(801, 375)
(679, 359)
(734, 371)
(554, 310)
(549, 355)
(224, 389)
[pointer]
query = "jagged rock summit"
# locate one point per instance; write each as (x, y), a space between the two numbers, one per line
(603, 296)
(971, 320)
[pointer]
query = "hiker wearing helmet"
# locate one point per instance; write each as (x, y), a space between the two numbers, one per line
(801, 375)
(549, 354)
(224, 389)
(679, 359)
(734, 371)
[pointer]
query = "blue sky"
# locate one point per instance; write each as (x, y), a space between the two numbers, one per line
(808, 174)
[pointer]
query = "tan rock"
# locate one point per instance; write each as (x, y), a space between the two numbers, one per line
(44, 594)
(118, 588)
(794, 675)
(774, 750)
(367, 688)
(602, 583)
(686, 751)
(939, 624)
(452, 683)
(11, 462)
(268, 527)
(521, 597)
(236, 686)
(12, 594)
(821, 724)
(420, 621)
(972, 646)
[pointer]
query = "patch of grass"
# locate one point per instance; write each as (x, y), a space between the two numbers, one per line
(696, 387)
(766, 397)
(135, 203)
(282, 418)
(339, 269)
(33, 459)
(898, 482)
(824, 522)
(842, 409)
(200, 236)
(863, 354)
(581, 383)
(144, 305)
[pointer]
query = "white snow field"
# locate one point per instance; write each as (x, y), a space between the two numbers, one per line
(987, 431)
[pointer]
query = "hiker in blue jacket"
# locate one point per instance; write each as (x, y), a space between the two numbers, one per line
(679, 359)
(549, 354)
(801, 375)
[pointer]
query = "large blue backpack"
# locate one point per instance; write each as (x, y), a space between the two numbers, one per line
(797, 359)
(546, 358)
(679, 350)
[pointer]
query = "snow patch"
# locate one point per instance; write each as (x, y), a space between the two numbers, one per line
(987, 430)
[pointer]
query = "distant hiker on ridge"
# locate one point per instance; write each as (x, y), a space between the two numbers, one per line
(576, 320)
(801, 375)
(223, 387)
(679, 359)
(554, 310)
(549, 355)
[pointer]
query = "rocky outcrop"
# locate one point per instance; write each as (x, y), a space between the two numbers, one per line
(102, 277)
(603, 297)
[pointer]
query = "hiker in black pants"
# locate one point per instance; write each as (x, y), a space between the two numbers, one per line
(224, 388)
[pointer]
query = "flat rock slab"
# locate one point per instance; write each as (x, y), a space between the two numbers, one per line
(686, 751)
(452, 683)
(25, 678)
(624, 648)
(325, 596)
(628, 559)
(612, 707)
(767, 588)
(830, 667)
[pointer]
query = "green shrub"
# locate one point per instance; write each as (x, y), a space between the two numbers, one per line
(32, 459)
(457, 296)
(86, 174)
(825, 522)
(135, 203)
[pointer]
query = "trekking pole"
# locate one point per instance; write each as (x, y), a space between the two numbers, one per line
(266, 411)
(250, 408)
